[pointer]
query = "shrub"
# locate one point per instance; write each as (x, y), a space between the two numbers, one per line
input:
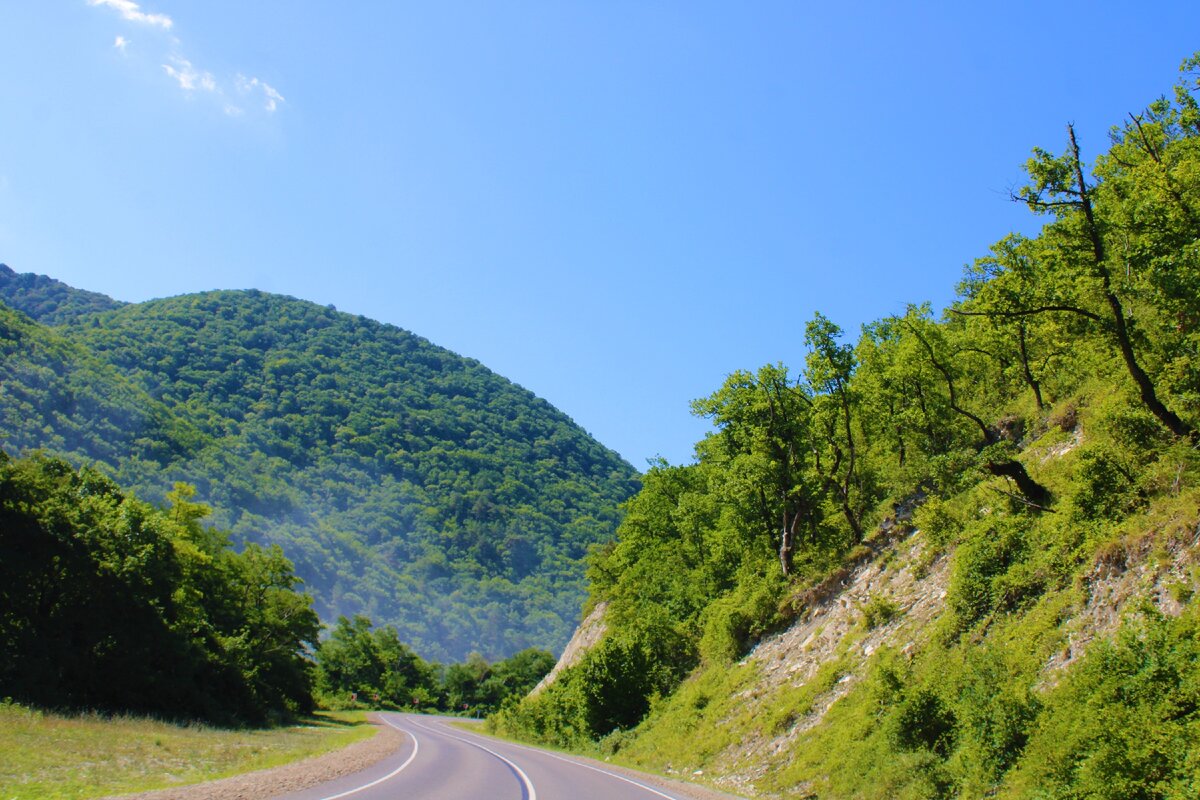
(923, 722)
(939, 524)
(878, 610)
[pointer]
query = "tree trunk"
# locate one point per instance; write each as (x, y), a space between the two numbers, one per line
(1120, 326)
(1032, 490)
(785, 550)
(1029, 379)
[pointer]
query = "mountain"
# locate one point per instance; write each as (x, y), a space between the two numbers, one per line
(406, 483)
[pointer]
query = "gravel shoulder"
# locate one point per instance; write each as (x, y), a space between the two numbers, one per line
(293, 777)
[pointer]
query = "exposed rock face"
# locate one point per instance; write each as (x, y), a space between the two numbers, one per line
(586, 636)
(1152, 568)
(833, 626)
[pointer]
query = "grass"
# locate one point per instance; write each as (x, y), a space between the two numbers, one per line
(44, 755)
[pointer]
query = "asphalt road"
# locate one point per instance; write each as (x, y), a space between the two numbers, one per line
(442, 762)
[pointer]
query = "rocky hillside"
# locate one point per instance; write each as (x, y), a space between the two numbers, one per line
(869, 667)
(954, 556)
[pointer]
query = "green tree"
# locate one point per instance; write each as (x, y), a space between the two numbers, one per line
(764, 446)
(829, 371)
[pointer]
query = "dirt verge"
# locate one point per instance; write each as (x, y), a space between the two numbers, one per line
(289, 777)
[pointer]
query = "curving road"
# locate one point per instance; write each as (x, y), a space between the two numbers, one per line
(441, 762)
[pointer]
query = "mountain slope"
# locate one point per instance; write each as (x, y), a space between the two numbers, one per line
(406, 482)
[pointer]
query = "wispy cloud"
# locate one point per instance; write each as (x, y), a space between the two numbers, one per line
(133, 12)
(181, 70)
(273, 98)
(188, 76)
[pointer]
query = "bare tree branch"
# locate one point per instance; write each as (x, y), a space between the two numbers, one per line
(1029, 312)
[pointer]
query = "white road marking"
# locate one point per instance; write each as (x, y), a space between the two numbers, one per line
(390, 775)
(530, 791)
(638, 784)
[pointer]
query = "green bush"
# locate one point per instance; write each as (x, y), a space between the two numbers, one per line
(1125, 723)
(938, 523)
(878, 610)
(1105, 487)
(923, 721)
(983, 557)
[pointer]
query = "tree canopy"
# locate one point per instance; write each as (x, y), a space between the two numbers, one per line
(109, 603)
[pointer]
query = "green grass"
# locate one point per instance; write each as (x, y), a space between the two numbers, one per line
(45, 755)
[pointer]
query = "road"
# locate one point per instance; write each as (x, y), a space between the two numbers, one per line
(443, 762)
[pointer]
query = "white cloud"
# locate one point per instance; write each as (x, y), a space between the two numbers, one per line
(273, 97)
(189, 77)
(121, 43)
(132, 11)
(233, 111)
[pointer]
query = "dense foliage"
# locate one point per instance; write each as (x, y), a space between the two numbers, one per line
(55, 395)
(109, 603)
(361, 665)
(1046, 417)
(405, 482)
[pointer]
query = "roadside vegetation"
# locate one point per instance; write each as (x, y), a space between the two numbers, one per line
(111, 604)
(1040, 433)
(112, 607)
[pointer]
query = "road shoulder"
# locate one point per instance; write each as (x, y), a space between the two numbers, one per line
(288, 778)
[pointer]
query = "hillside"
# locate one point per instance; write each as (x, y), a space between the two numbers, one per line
(405, 482)
(954, 556)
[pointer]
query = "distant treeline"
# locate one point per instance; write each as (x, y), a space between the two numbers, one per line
(359, 665)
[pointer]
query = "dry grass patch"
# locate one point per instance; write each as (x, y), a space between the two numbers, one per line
(45, 755)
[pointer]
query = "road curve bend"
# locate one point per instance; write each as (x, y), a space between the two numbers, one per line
(441, 762)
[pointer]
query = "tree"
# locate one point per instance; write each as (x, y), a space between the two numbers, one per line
(1078, 243)
(373, 664)
(995, 453)
(829, 372)
(995, 295)
(765, 436)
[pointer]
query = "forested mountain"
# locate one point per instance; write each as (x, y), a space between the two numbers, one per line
(405, 482)
(1011, 488)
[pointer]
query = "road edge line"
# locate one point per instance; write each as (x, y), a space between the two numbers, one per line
(531, 793)
(390, 775)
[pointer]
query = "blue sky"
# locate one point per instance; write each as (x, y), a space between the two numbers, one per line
(614, 204)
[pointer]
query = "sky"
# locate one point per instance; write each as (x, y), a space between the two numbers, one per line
(614, 204)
